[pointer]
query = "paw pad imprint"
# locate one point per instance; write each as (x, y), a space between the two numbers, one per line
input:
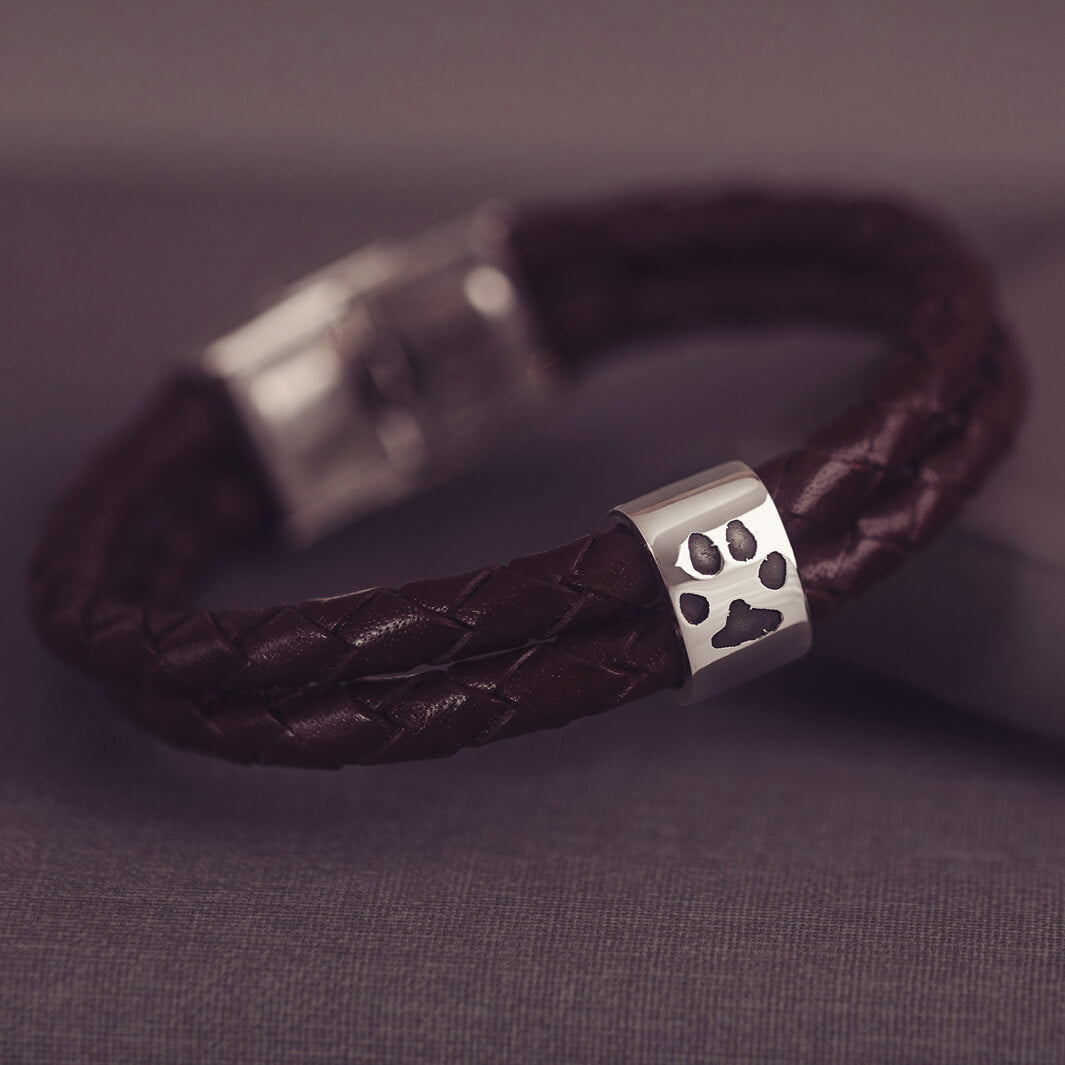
(743, 622)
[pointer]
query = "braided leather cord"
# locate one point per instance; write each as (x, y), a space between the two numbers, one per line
(580, 628)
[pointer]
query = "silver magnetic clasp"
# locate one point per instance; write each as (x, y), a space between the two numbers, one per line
(730, 573)
(384, 371)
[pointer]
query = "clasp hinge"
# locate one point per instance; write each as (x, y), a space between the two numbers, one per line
(384, 372)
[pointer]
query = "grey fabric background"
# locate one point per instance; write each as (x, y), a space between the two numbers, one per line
(540, 96)
(820, 868)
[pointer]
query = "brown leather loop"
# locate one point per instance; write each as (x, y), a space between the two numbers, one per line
(576, 629)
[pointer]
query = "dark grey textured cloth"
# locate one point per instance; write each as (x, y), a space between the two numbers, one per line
(818, 869)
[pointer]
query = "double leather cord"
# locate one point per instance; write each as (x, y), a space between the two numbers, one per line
(580, 628)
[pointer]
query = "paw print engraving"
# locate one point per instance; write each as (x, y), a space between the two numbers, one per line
(703, 559)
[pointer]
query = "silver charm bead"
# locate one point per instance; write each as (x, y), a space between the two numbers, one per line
(730, 573)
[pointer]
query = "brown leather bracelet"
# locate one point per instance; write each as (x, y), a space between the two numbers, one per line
(577, 629)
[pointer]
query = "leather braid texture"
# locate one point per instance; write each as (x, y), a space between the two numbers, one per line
(578, 629)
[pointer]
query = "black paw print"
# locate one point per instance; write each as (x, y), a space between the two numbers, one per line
(744, 622)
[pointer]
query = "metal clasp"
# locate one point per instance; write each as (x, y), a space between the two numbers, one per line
(383, 372)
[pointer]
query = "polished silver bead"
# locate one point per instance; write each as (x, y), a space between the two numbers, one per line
(730, 573)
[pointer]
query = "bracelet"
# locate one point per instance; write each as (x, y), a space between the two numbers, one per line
(389, 369)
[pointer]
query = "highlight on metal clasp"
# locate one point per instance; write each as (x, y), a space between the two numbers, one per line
(384, 371)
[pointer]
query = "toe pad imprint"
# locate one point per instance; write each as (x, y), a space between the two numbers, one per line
(741, 542)
(705, 554)
(694, 608)
(774, 570)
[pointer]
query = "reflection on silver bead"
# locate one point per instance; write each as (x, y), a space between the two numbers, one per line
(730, 573)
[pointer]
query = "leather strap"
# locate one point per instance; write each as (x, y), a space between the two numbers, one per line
(580, 628)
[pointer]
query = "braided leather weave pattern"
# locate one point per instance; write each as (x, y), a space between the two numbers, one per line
(577, 629)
